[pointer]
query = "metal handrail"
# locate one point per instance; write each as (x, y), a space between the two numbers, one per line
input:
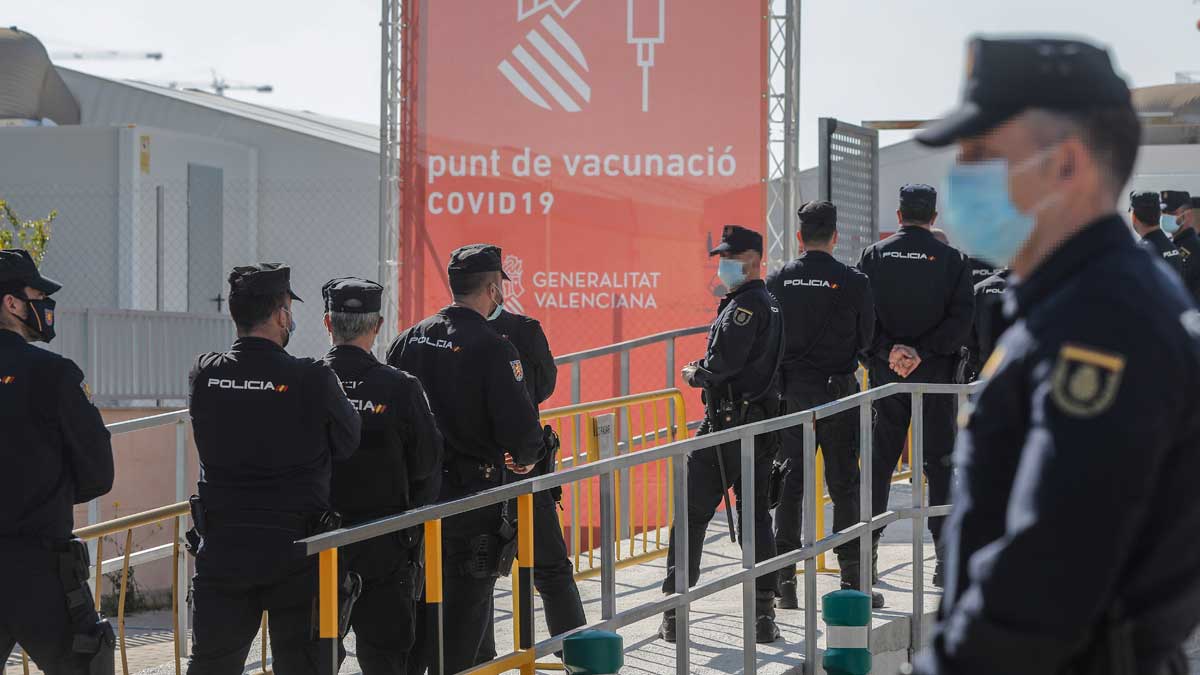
(116, 525)
(627, 345)
(326, 545)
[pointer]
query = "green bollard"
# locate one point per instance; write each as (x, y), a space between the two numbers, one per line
(594, 652)
(847, 631)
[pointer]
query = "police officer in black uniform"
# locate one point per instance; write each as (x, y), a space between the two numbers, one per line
(476, 387)
(1185, 209)
(54, 453)
(1146, 211)
(1067, 553)
(268, 427)
(738, 376)
(924, 308)
(553, 575)
(988, 326)
(398, 466)
(829, 317)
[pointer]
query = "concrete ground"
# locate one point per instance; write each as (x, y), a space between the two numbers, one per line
(716, 621)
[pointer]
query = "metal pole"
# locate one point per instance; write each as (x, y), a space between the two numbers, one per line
(389, 104)
(181, 569)
(747, 513)
(680, 478)
(810, 565)
(791, 124)
(866, 564)
(918, 523)
(605, 434)
(625, 526)
(159, 248)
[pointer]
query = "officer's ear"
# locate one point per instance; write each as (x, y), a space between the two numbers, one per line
(328, 323)
(933, 219)
(899, 218)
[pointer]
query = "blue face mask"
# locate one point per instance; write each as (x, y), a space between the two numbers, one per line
(979, 215)
(731, 272)
(499, 308)
(1169, 224)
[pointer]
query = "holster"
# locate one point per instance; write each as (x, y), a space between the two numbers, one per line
(73, 563)
(100, 642)
(195, 535)
(348, 593)
(549, 462)
(964, 367)
(775, 485)
(491, 556)
(841, 386)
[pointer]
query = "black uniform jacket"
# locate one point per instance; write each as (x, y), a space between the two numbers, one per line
(54, 449)
(268, 426)
(1077, 467)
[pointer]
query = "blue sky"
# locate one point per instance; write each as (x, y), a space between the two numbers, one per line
(861, 59)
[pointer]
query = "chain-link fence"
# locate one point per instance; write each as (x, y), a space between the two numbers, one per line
(168, 246)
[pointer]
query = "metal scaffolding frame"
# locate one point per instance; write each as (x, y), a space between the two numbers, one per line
(783, 130)
(390, 25)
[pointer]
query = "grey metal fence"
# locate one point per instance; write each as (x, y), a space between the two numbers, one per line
(848, 176)
(681, 600)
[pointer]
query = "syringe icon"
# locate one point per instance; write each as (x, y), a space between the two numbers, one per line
(646, 27)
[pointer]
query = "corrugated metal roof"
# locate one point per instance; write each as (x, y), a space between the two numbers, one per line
(359, 135)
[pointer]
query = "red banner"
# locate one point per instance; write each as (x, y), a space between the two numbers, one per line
(601, 143)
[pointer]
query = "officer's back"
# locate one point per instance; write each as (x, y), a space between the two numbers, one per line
(918, 281)
(1145, 216)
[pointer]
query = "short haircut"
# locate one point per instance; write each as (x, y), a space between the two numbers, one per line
(916, 214)
(348, 326)
(1147, 216)
(1112, 134)
(249, 311)
(465, 285)
(818, 232)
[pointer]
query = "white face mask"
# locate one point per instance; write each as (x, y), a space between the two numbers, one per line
(499, 303)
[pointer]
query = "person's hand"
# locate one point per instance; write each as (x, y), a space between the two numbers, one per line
(689, 372)
(904, 360)
(519, 469)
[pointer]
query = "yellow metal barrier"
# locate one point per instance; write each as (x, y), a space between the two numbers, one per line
(645, 421)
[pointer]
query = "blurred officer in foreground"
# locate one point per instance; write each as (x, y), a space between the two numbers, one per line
(1145, 214)
(829, 317)
(476, 387)
(924, 308)
(268, 427)
(397, 467)
(1186, 211)
(54, 453)
(1067, 553)
(553, 575)
(738, 376)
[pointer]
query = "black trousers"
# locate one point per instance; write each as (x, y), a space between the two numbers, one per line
(240, 573)
(892, 417)
(33, 610)
(838, 438)
(384, 618)
(705, 490)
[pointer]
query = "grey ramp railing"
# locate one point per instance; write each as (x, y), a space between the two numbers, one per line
(681, 600)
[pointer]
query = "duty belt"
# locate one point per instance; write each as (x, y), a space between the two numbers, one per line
(276, 520)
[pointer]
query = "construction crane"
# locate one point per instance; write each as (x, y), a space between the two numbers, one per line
(219, 85)
(105, 55)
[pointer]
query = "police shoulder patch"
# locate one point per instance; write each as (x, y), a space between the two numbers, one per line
(518, 370)
(742, 316)
(1085, 381)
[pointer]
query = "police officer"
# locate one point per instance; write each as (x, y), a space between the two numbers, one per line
(268, 427)
(476, 387)
(738, 376)
(1185, 210)
(924, 308)
(1065, 552)
(553, 575)
(398, 466)
(829, 317)
(988, 326)
(1146, 212)
(54, 453)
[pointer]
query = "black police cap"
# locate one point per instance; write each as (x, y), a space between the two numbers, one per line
(16, 265)
(737, 239)
(1144, 200)
(818, 212)
(1195, 202)
(262, 279)
(918, 196)
(1007, 76)
(1173, 200)
(475, 258)
(352, 295)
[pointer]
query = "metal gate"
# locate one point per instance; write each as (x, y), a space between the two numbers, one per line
(848, 175)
